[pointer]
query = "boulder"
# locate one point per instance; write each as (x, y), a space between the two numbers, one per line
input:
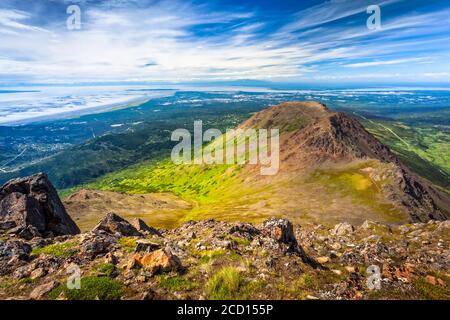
(114, 224)
(161, 260)
(342, 229)
(142, 227)
(31, 207)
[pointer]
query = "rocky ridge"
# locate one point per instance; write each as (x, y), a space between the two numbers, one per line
(219, 260)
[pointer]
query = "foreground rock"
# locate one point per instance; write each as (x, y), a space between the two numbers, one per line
(30, 207)
(156, 262)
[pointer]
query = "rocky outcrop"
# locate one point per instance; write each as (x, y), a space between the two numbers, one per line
(281, 230)
(142, 227)
(31, 207)
(114, 224)
(182, 263)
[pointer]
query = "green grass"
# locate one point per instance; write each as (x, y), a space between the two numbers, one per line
(226, 284)
(205, 256)
(127, 243)
(194, 182)
(229, 284)
(92, 288)
(106, 269)
(424, 148)
(60, 250)
(352, 181)
(431, 292)
(237, 240)
(176, 283)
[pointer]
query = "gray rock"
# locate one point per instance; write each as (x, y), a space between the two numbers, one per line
(40, 291)
(146, 246)
(97, 243)
(113, 224)
(142, 227)
(14, 248)
(342, 229)
(31, 207)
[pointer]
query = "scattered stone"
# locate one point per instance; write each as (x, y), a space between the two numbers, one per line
(40, 291)
(431, 280)
(323, 260)
(14, 248)
(111, 258)
(336, 246)
(350, 269)
(342, 229)
(97, 243)
(149, 295)
(146, 246)
(37, 273)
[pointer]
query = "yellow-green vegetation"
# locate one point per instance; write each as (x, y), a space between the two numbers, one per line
(60, 250)
(430, 291)
(307, 283)
(92, 288)
(176, 283)
(192, 182)
(426, 149)
(127, 243)
(212, 190)
(239, 241)
(6, 283)
(106, 269)
(206, 256)
(229, 284)
(356, 181)
(226, 284)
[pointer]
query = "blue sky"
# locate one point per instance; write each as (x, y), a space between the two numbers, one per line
(181, 41)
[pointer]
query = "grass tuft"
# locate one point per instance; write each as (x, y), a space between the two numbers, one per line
(226, 284)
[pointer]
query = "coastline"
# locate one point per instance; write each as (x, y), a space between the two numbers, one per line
(73, 114)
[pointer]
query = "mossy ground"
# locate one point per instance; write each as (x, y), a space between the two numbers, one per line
(92, 288)
(60, 250)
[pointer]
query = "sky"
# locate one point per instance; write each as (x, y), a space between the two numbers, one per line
(184, 41)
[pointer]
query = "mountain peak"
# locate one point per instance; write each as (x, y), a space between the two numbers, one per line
(288, 116)
(313, 137)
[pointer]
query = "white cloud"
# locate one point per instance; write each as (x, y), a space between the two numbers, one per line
(384, 63)
(116, 43)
